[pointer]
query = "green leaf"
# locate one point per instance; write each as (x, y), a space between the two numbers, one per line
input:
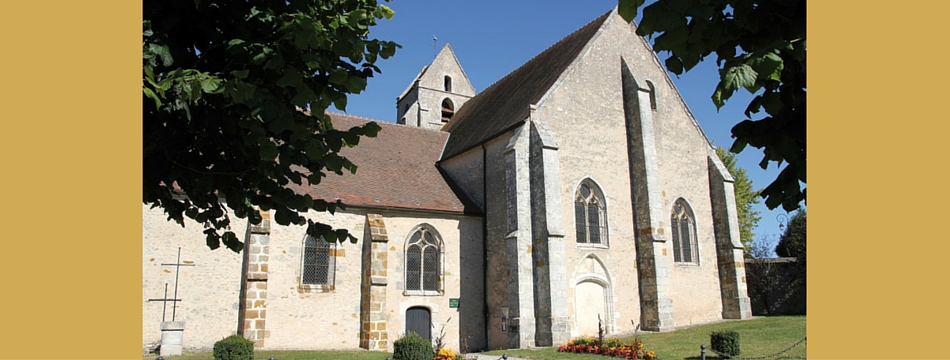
(241, 74)
(291, 78)
(268, 151)
(338, 76)
(210, 84)
(386, 12)
(148, 92)
(717, 98)
(371, 128)
(163, 53)
(628, 9)
(340, 103)
(674, 65)
(388, 50)
(736, 77)
(770, 67)
(261, 56)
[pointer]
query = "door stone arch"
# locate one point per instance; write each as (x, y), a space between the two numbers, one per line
(593, 296)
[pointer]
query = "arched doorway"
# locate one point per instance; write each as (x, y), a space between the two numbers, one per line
(590, 302)
(419, 320)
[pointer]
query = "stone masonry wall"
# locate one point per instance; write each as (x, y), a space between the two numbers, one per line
(587, 119)
(256, 254)
(209, 289)
(374, 334)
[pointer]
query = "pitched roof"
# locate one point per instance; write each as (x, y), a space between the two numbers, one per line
(395, 169)
(505, 103)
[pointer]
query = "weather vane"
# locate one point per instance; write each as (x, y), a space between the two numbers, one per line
(435, 51)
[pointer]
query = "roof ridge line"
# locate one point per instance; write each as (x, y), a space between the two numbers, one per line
(563, 39)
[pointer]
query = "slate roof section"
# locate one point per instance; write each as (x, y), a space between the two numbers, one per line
(396, 169)
(504, 104)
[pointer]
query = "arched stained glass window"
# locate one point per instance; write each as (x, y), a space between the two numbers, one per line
(590, 214)
(683, 227)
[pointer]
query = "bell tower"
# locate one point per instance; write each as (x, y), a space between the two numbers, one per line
(435, 94)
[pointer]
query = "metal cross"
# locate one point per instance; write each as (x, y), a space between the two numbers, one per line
(174, 298)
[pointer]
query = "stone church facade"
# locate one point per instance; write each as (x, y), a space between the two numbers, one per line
(578, 187)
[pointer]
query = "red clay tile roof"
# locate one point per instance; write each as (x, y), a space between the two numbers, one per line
(395, 169)
(503, 105)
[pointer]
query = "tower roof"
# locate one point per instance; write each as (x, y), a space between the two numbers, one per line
(446, 54)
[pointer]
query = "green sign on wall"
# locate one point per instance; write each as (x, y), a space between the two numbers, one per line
(453, 303)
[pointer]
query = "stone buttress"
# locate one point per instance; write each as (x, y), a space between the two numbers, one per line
(537, 280)
(729, 249)
(252, 315)
(653, 265)
(375, 260)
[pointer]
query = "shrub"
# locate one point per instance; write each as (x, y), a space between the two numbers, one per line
(725, 342)
(234, 347)
(412, 347)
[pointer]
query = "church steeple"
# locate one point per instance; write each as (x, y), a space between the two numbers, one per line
(435, 94)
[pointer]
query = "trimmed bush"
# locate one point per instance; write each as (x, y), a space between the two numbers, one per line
(412, 347)
(725, 342)
(234, 347)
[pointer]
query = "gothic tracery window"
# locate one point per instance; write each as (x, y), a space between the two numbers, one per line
(590, 214)
(683, 226)
(423, 257)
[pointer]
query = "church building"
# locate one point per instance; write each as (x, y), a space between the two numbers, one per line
(575, 191)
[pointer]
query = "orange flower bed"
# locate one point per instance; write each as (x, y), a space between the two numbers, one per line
(610, 347)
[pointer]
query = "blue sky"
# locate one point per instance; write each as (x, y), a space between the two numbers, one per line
(491, 38)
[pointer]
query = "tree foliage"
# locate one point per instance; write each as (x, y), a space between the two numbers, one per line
(760, 46)
(746, 197)
(792, 242)
(223, 85)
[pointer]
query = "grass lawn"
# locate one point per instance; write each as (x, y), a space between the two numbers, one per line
(290, 355)
(757, 337)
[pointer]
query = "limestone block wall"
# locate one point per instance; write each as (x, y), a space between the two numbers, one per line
(425, 99)
(407, 109)
(461, 238)
(466, 171)
(209, 289)
(253, 315)
(587, 118)
(346, 316)
(310, 316)
(496, 251)
(430, 102)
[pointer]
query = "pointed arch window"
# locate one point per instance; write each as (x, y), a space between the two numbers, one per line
(448, 109)
(318, 263)
(590, 214)
(424, 262)
(683, 225)
(652, 95)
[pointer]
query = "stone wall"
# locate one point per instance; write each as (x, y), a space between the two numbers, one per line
(776, 286)
(281, 313)
(588, 120)
(422, 105)
(209, 289)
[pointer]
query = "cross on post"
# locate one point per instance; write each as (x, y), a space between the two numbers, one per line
(174, 298)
